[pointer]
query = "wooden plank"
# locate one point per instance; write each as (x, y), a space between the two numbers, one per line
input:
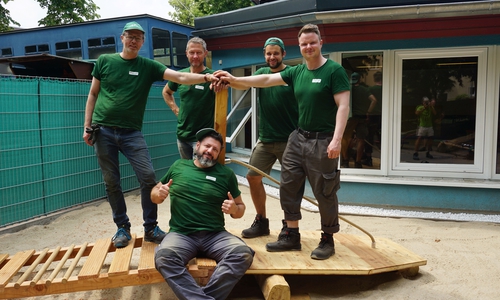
(354, 256)
(147, 258)
(121, 261)
(93, 265)
(3, 257)
(205, 263)
(75, 284)
(13, 266)
(220, 120)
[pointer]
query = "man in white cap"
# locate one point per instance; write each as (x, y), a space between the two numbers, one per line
(113, 121)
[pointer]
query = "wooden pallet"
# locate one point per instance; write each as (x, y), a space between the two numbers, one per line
(101, 266)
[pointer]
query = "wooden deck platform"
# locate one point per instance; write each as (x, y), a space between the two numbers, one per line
(101, 266)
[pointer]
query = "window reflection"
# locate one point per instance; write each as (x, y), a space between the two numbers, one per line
(361, 143)
(438, 113)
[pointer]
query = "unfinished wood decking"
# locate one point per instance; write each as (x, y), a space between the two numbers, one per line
(101, 266)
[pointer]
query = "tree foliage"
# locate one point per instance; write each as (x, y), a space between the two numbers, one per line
(5, 18)
(58, 12)
(184, 11)
(187, 10)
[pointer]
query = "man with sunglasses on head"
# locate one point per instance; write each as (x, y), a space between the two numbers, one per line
(322, 90)
(113, 119)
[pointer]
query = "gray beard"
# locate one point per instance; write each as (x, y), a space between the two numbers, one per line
(205, 162)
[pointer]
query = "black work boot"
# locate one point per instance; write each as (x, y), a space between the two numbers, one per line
(288, 240)
(326, 247)
(283, 229)
(260, 227)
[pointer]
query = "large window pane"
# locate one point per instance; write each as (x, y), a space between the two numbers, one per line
(361, 145)
(103, 45)
(438, 112)
(71, 49)
(179, 49)
(161, 46)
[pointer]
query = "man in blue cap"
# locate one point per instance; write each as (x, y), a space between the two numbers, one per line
(113, 121)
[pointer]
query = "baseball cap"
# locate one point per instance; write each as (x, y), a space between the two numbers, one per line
(354, 78)
(133, 26)
(202, 133)
(274, 41)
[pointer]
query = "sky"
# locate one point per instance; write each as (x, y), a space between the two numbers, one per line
(28, 12)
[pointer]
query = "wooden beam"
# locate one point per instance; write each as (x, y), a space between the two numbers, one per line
(274, 287)
(221, 121)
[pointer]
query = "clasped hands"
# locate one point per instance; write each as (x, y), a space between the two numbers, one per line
(220, 80)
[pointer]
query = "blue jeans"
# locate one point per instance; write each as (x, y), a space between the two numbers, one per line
(130, 142)
(232, 255)
(186, 149)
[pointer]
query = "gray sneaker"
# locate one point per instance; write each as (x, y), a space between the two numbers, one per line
(325, 249)
(260, 227)
(155, 235)
(288, 240)
(121, 237)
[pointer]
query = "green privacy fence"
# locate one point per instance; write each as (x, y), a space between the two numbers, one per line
(44, 164)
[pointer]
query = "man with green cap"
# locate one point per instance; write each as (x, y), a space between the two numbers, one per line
(201, 192)
(278, 116)
(113, 121)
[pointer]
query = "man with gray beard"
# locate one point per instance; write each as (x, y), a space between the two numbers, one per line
(201, 192)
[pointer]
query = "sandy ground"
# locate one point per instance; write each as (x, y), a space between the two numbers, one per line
(463, 260)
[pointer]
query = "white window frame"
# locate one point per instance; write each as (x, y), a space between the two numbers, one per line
(494, 106)
(475, 170)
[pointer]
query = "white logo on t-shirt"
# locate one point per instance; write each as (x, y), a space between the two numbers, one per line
(316, 80)
(211, 178)
(134, 73)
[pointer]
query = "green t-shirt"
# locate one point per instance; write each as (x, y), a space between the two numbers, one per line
(359, 100)
(425, 118)
(314, 90)
(278, 111)
(197, 194)
(124, 91)
(196, 109)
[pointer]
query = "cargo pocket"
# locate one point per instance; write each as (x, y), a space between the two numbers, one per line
(331, 183)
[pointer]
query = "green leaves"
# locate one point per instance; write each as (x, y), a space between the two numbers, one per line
(59, 12)
(187, 10)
